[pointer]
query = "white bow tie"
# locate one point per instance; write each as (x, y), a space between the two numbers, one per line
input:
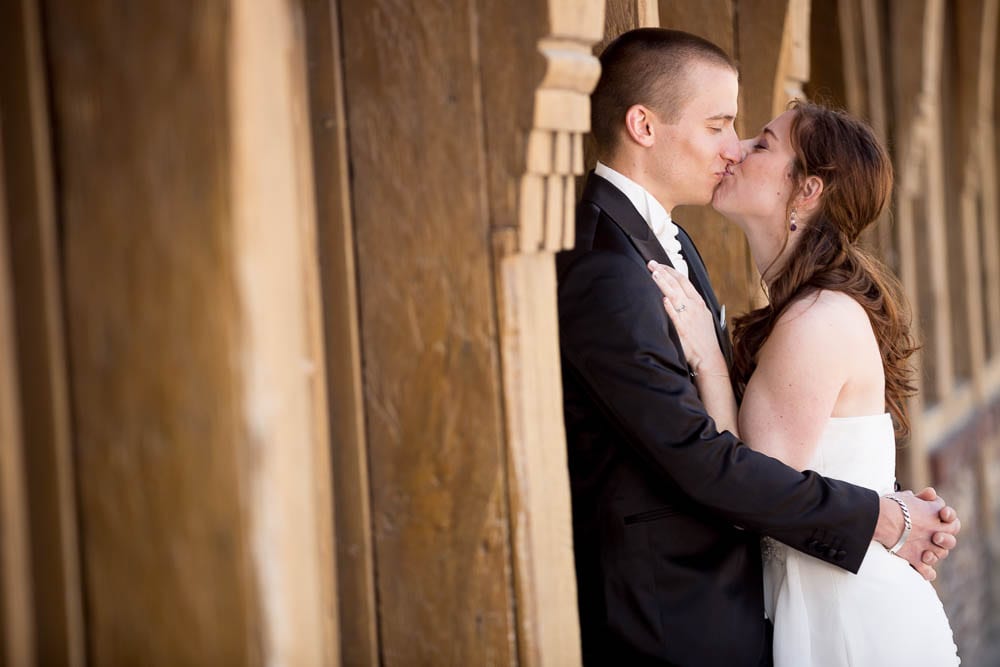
(666, 233)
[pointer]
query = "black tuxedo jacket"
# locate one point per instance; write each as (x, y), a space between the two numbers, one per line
(667, 512)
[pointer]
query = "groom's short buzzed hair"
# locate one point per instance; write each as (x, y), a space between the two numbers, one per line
(647, 66)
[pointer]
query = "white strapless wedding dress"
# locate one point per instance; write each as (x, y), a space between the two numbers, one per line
(885, 615)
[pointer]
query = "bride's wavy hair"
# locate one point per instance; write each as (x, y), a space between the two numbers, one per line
(857, 186)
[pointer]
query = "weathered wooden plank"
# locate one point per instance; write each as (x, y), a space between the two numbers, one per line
(793, 68)
(907, 45)
(988, 145)
(17, 627)
(288, 477)
(841, 36)
(38, 317)
(877, 107)
(355, 566)
(991, 210)
(623, 15)
(711, 19)
(140, 105)
(428, 333)
(913, 469)
(286, 464)
(197, 385)
(760, 26)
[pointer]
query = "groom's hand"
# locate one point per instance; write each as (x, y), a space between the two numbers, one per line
(945, 541)
(935, 526)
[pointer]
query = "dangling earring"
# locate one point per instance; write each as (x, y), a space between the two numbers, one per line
(793, 226)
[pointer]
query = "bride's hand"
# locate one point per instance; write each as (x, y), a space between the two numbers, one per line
(694, 322)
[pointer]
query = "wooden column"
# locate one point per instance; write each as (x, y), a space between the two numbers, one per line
(865, 94)
(979, 21)
(38, 315)
(355, 566)
(916, 42)
(192, 305)
(17, 627)
(555, 75)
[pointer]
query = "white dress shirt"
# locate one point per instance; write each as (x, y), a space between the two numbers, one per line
(651, 211)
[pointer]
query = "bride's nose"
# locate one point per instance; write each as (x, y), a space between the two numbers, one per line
(745, 147)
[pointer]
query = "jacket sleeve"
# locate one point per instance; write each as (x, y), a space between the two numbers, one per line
(616, 336)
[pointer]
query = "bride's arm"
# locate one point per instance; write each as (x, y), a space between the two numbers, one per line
(695, 327)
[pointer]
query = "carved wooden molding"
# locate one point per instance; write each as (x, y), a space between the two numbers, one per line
(547, 200)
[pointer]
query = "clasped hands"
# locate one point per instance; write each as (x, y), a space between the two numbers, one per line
(934, 533)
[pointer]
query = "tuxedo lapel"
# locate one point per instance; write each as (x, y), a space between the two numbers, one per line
(619, 209)
(698, 275)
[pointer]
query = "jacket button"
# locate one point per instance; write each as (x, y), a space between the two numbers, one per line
(812, 545)
(840, 555)
(832, 554)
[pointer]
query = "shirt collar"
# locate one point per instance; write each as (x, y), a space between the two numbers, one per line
(651, 210)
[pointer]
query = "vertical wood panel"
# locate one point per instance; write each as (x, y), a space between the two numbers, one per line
(551, 53)
(140, 104)
(40, 337)
(910, 56)
(428, 333)
(16, 615)
(936, 209)
(960, 50)
(285, 466)
(355, 569)
(623, 15)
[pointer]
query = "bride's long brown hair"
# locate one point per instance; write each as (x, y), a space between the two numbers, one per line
(857, 185)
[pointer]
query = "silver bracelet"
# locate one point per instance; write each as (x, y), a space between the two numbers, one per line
(907, 524)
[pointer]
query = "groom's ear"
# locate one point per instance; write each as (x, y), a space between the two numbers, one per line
(638, 125)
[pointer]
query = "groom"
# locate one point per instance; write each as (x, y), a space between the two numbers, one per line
(667, 512)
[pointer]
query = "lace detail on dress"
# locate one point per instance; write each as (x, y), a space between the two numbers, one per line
(772, 550)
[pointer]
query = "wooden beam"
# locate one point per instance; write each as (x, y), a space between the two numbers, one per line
(17, 628)
(877, 107)
(287, 463)
(989, 153)
(355, 565)
(38, 308)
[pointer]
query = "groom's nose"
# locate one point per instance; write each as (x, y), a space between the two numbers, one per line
(731, 150)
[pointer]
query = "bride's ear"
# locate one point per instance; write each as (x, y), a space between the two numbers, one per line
(810, 193)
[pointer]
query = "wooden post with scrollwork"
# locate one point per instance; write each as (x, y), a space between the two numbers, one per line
(527, 234)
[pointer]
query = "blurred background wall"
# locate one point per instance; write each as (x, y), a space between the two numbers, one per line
(279, 374)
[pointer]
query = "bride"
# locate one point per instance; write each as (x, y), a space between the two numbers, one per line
(817, 368)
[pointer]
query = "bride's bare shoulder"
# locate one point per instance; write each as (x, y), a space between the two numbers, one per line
(825, 317)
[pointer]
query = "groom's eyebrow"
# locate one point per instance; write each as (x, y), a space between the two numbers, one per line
(721, 116)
